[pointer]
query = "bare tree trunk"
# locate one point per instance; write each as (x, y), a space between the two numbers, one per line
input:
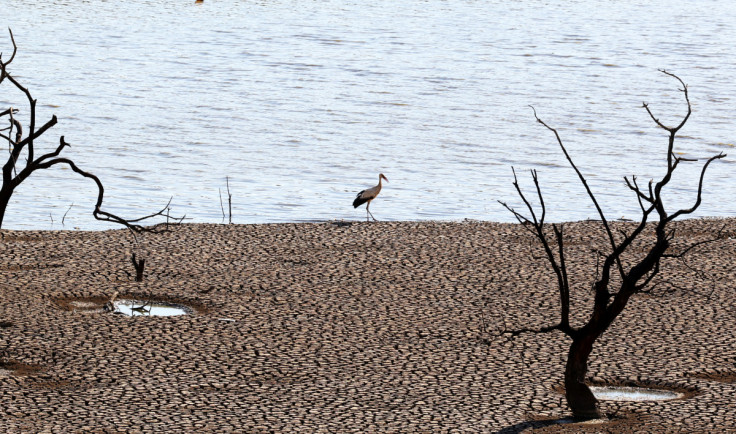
(4, 199)
(579, 397)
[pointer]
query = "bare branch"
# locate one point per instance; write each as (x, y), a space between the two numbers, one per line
(523, 198)
(700, 190)
(651, 115)
(687, 99)
(536, 227)
(160, 213)
(539, 194)
(584, 181)
(719, 236)
(633, 186)
(67, 212)
(15, 49)
(6, 112)
(671, 165)
(652, 275)
(32, 124)
(7, 168)
(564, 283)
(519, 217)
(222, 208)
(18, 127)
(229, 201)
(98, 213)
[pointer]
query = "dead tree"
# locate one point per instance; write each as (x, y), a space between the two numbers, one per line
(617, 280)
(139, 265)
(16, 170)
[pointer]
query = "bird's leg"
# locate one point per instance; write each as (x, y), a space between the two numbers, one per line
(367, 208)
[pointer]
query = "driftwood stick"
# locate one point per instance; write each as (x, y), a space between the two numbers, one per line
(229, 201)
(222, 208)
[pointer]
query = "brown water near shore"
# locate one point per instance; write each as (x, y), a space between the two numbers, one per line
(347, 327)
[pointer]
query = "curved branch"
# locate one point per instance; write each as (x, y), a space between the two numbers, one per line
(700, 190)
(670, 145)
(687, 99)
(98, 213)
(32, 124)
(55, 153)
(3, 65)
(15, 49)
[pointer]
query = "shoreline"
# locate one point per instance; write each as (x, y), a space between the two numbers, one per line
(339, 222)
(388, 326)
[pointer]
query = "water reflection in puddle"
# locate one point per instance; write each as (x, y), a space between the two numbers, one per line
(610, 393)
(143, 308)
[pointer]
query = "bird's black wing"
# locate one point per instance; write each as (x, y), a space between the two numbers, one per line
(359, 200)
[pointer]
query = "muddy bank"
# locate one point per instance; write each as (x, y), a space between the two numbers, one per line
(345, 327)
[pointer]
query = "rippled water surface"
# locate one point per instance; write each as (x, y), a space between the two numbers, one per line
(302, 103)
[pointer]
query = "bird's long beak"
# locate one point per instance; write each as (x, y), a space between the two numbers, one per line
(384, 178)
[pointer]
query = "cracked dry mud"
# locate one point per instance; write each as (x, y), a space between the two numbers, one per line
(344, 327)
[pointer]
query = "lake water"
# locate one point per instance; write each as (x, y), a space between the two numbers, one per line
(302, 103)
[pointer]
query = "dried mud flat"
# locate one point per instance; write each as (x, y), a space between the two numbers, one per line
(337, 327)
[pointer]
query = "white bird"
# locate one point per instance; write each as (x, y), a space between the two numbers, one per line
(367, 195)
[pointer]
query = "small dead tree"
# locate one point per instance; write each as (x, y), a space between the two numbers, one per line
(140, 265)
(15, 170)
(616, 280)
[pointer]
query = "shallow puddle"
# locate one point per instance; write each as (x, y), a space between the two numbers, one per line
(144, 308)
(610, 393)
